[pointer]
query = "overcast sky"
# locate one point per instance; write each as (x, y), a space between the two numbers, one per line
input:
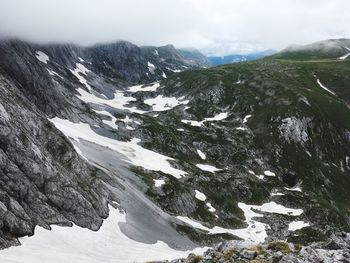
(213, 26)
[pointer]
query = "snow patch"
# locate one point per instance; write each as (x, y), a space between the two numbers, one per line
(272, 207)
(296, 225)
(295, 189)
(134, 153)
(217, 117)
(346, 55)
(53, 73)
(151, 67)
(245, 119)
(323, 87)
(118, 102)
(138, 88)
(269, 173)
(208, 168)
(200, 196)
(158, 182)
(81, 245)
(277, 194)
(81, 69)
(161, 103)
(201, 154)
(42, 57)
(111, 122)
(193, 123)
(210, 208)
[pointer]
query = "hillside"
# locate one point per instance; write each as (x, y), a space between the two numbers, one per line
(252, 151)
(328, 49)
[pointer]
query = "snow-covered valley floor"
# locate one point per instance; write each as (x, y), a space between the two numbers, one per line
(81, 245)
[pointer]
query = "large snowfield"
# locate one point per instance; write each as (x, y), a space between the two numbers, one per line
(81, 245)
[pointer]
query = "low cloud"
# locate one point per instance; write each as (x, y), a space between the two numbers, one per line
(214, 26)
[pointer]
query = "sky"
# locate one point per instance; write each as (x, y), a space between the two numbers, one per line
(216, 27)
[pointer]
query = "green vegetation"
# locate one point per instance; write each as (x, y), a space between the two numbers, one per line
(271, 90)
(279, 245)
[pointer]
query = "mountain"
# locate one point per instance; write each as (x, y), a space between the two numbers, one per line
(328, 49)
(236, 58)
(251, 152)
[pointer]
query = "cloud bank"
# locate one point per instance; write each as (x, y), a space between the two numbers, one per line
(213, 26)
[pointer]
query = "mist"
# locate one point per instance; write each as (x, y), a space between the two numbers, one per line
(215, 27)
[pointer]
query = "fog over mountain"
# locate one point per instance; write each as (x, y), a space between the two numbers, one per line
(218, 27)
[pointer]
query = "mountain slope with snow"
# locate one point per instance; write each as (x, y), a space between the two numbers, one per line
(237, 152)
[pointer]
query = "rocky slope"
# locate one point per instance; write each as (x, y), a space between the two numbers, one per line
(256, 151)
(43, 180)
(335, 249)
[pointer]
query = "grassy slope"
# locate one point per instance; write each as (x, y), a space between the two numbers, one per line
(270, 90)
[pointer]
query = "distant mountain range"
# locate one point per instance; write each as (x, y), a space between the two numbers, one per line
(235, 58)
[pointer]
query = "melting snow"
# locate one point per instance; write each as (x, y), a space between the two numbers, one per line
(217, 117)
(81, 69)
(261, 177)
(269, 173)
(208, 168)
(296, 189)
(210, 208)
(53, 73)
(161, 103)
(296, 225)
(81, 245)
(276, 194)
(246, 118)
(110, 123)
(193, 123)
(118, 102)
(346, 55)
(255, 232)
(137, 88)
(158, 182)
(323, 87)
(151, 67)
(200, 196)
(175, 70)
(42, 57)
(201, 154)
(136, 154)
(272, 207)
(241, 129)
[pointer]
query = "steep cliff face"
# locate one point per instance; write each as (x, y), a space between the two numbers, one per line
(43, 179)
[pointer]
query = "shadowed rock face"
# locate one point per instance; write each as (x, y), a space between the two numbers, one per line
(43, 180)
